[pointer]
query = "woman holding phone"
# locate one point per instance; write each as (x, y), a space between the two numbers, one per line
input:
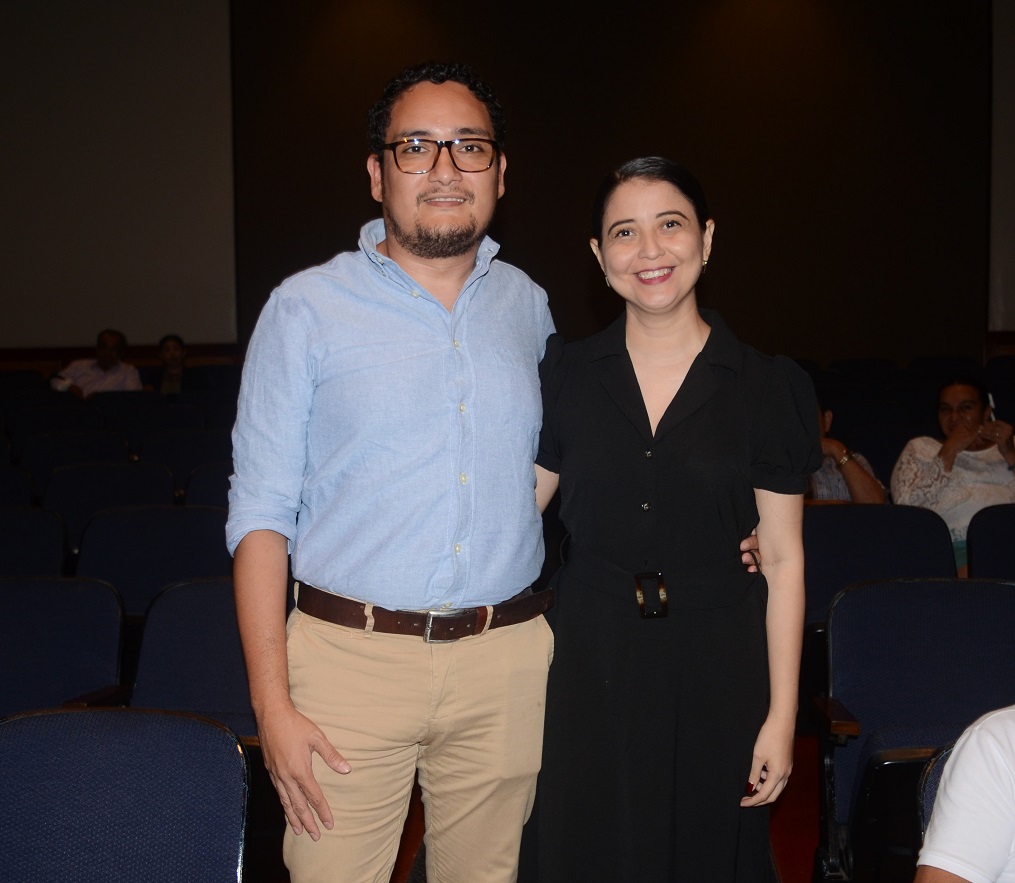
(972, 468)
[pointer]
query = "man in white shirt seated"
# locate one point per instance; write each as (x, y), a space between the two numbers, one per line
(105, 373)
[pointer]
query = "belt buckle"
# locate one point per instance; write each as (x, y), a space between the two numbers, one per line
(639, 593)
(430, 614)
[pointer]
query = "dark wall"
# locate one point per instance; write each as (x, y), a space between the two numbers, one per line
(845, 149)
(116, 178)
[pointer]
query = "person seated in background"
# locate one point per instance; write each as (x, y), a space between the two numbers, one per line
(845, 476)
(972, 828)
(107, 372)
(974, 467)
(172, 377)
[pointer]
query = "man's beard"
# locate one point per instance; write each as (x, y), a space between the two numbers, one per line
(432, 244)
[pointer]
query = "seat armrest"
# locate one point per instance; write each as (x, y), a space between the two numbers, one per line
(111, 695)
(834, 718)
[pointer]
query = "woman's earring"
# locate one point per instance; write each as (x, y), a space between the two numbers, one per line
(704, 265)
(607, 278)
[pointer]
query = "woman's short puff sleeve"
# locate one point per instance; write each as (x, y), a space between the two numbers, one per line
(551, 376)
(785, 439)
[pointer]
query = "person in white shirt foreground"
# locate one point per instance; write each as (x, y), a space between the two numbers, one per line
(971, 835)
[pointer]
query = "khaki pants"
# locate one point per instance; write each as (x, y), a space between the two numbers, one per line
(468, 714)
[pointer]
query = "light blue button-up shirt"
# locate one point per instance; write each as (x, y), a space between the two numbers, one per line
(390, 441)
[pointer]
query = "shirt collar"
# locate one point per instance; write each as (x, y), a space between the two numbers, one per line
(721, 347)
(373, 233)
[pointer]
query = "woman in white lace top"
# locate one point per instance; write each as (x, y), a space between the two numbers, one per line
(972, 468)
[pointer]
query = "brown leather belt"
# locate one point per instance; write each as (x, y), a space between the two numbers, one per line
(433, 626)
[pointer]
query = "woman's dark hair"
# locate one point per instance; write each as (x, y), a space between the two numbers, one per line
(168, 337)
(649, 168)
(379, 116)
(970, 380)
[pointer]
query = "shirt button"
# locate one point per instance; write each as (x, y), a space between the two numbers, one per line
(415, 294)
(458, 548)
(646, 506)
(461, 407)
(648, 455)
(463, 478)
(456, 343)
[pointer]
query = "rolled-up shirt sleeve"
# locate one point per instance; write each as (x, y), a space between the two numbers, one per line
(270, 433)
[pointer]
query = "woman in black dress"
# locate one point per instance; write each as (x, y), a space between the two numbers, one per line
(673, 691)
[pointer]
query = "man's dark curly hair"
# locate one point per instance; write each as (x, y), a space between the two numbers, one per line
(379, 116)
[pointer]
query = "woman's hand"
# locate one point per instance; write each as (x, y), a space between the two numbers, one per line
(772, 763)
(1000, 433)
(961, 438)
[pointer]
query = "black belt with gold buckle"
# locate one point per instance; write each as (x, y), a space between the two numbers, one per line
(653, 607)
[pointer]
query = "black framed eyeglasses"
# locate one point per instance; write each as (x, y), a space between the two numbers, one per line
(417, 156)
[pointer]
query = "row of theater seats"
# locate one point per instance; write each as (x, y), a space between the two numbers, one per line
(177, 809)
(137, 549)
(28, 407)
(42, 431)
(73, 493)
(62, 643)
(74, 459)
(849, 543)
(129, 488)
(911, 663)
(115, 581)
(62, 646)
(899, 656)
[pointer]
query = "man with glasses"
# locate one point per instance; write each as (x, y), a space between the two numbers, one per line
(386, 436)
